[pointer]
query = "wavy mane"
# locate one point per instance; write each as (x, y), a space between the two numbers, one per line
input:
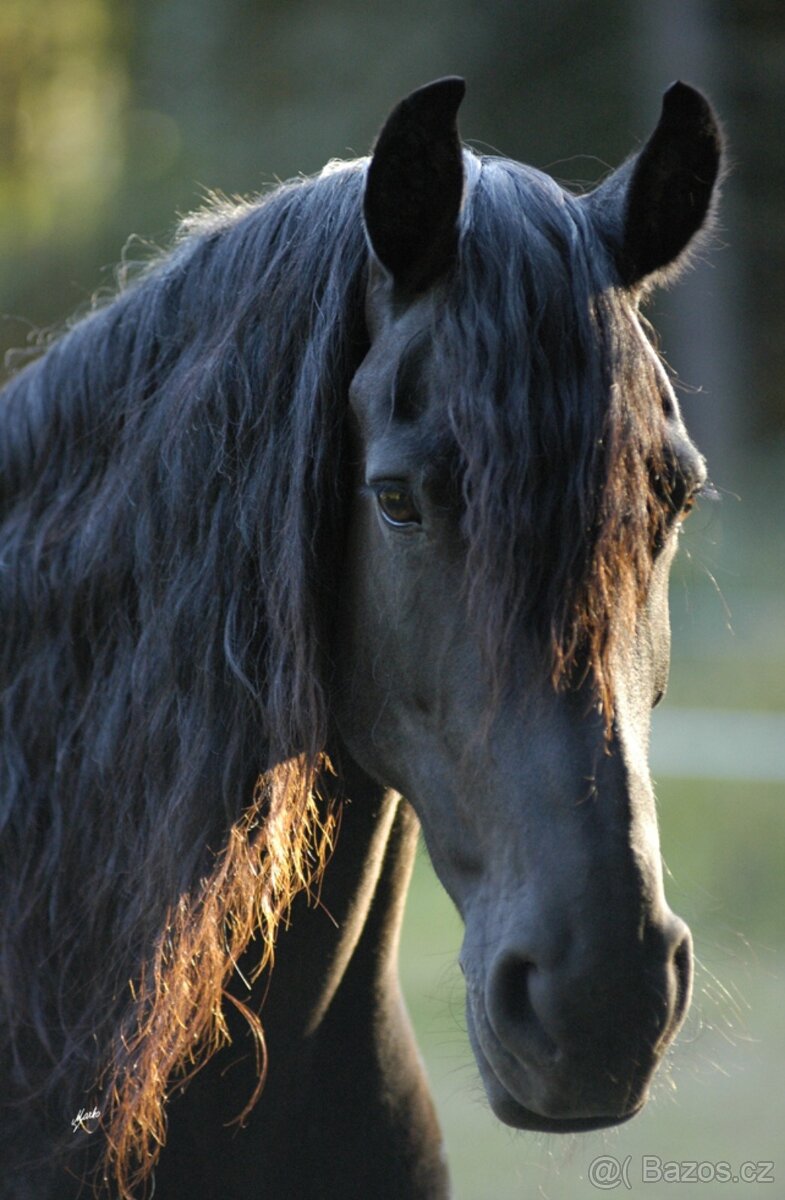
(172, 495)
(163, 593)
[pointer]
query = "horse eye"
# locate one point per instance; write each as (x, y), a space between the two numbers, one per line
(397, 505)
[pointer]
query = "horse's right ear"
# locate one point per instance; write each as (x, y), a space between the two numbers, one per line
(414, 186)
(651, 209)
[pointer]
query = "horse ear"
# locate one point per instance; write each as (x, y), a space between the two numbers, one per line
(656, 203)
(414, 186)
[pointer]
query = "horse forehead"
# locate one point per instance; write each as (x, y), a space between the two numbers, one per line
(397, 364)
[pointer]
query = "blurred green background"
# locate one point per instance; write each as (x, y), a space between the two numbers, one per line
(115, 115)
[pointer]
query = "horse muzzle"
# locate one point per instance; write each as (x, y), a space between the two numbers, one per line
(571, 1044)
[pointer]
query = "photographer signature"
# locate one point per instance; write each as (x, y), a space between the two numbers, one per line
(82, 1118)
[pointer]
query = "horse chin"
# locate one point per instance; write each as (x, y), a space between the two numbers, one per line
(519, 1095)
(510, 1112)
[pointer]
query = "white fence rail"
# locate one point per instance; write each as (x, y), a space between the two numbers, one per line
(700, 743)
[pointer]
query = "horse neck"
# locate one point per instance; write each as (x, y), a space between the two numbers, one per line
(347, 942)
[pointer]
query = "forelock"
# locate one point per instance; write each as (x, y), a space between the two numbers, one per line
(555, 414)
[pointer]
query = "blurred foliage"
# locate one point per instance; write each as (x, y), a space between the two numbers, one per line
(116, 114)
(62, 93)
(756, 48)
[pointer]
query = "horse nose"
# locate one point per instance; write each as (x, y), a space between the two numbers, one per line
(598, 1005)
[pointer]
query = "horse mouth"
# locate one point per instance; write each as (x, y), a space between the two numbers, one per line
(524, 1097)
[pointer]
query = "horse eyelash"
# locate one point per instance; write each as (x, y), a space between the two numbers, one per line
(372, 489)
(706, 491)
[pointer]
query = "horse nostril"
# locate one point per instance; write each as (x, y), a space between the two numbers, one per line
(514, 986)
(512, 1012)
(682, 966)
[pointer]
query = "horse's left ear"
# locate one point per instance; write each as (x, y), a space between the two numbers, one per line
(415, 184)
(656, 203)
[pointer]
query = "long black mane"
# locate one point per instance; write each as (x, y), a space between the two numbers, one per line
(171, 494)
(172, 487)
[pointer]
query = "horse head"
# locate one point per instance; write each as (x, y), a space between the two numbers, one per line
(522, 473)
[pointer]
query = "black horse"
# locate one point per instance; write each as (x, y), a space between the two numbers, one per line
(367, 490)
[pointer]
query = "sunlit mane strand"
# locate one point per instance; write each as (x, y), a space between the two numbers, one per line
(177, 1021)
